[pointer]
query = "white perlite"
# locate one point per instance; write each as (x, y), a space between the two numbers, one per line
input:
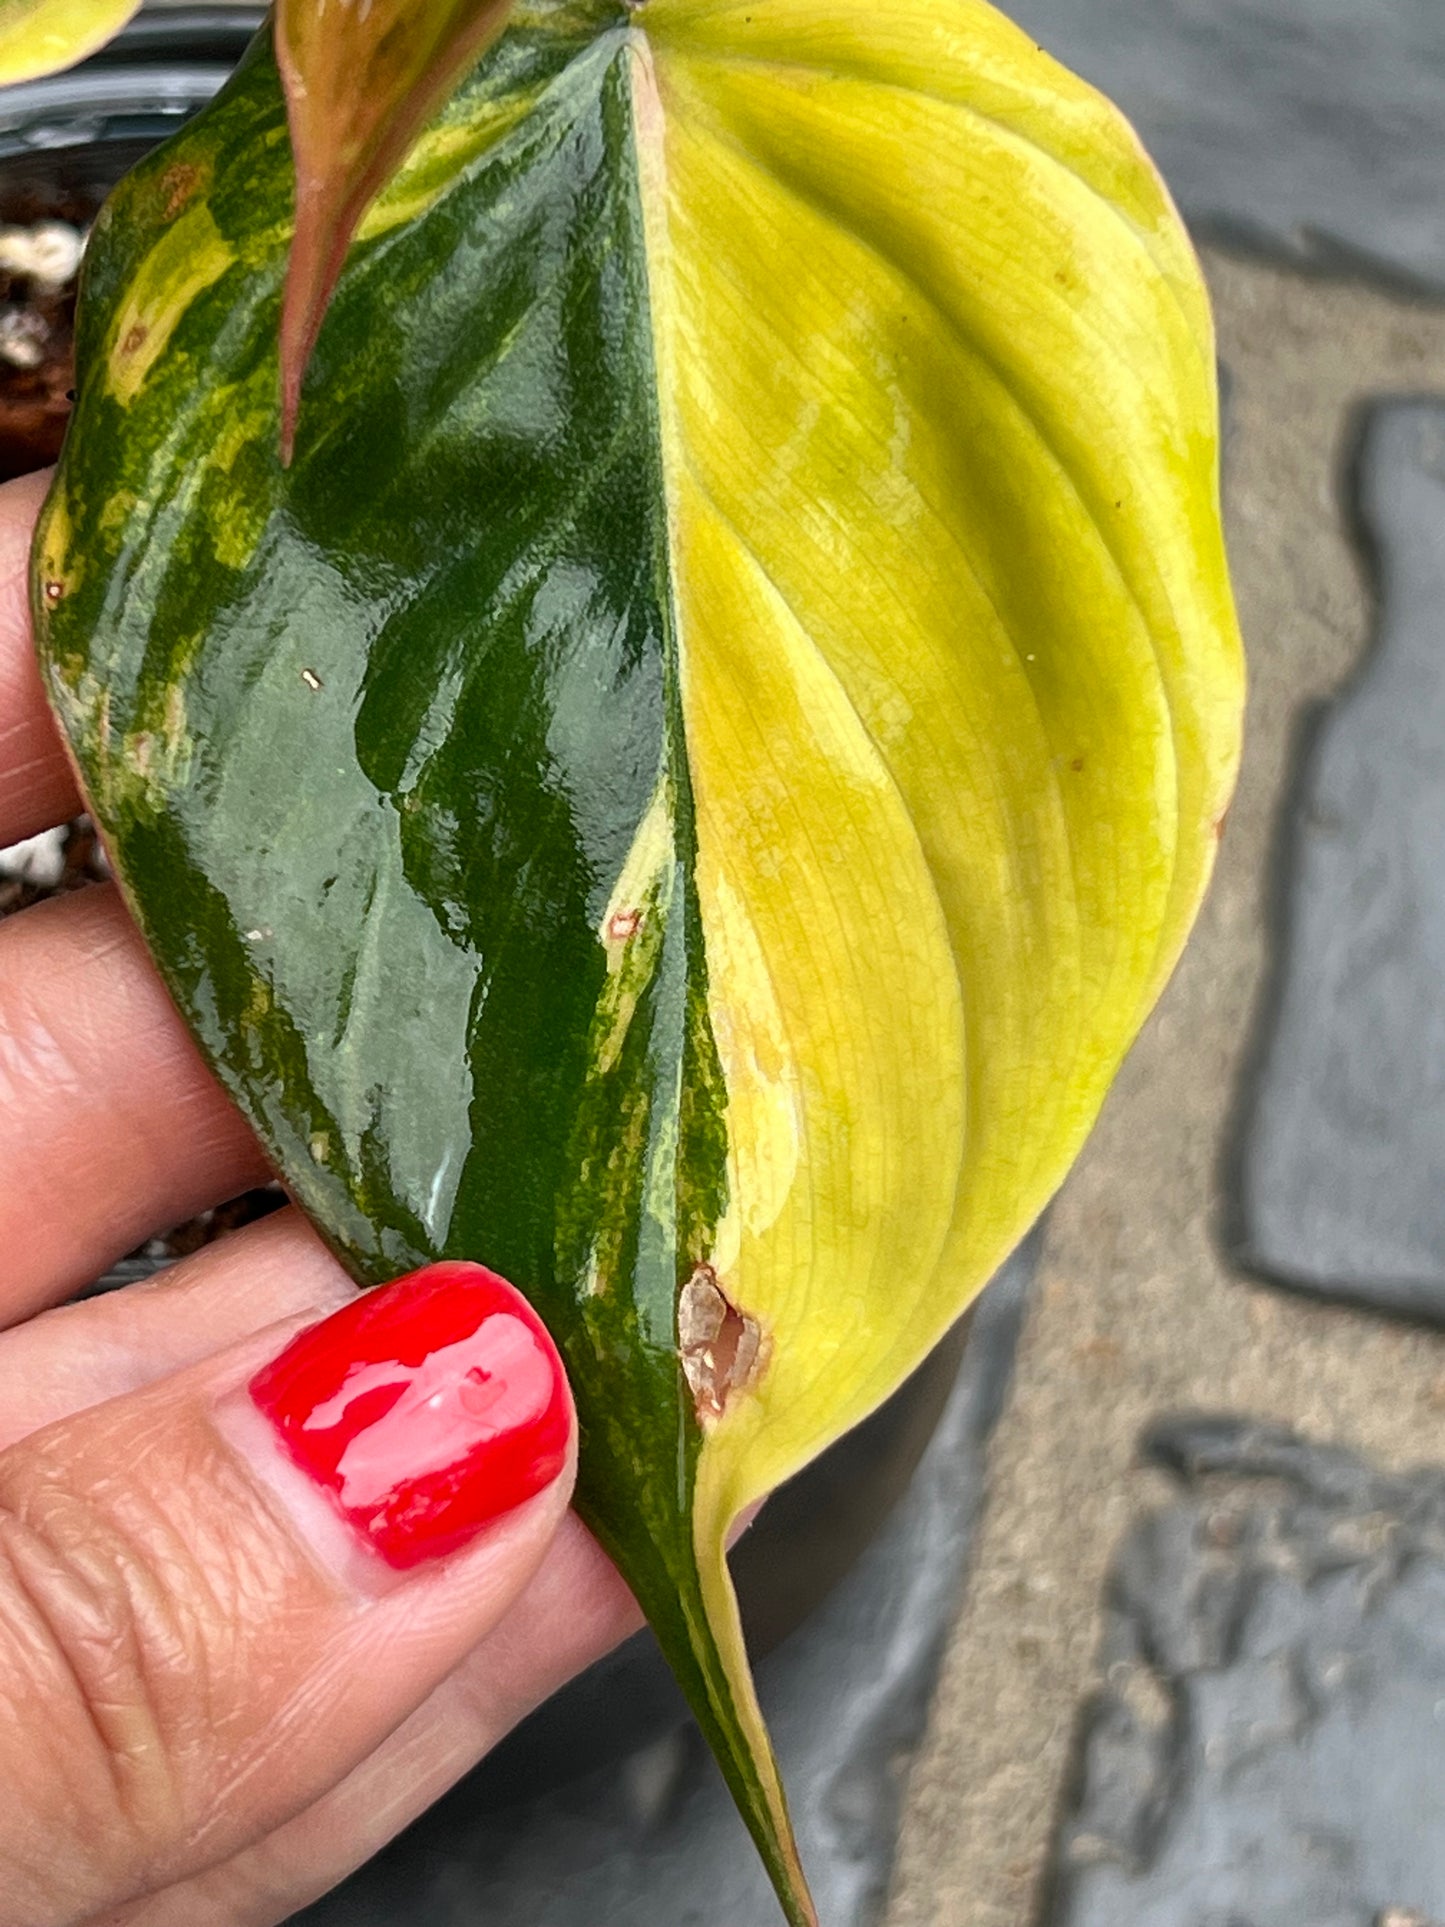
(39, 860)
(49, 252)
(23, 337)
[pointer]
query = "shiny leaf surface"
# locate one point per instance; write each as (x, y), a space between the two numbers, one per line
(686, 788)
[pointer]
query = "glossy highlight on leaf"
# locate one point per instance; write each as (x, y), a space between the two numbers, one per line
(41, 36)
(361, 78)
(686, 788)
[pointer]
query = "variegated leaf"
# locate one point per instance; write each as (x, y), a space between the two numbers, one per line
(686, 788)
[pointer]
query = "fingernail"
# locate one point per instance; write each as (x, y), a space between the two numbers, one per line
(423, 1410)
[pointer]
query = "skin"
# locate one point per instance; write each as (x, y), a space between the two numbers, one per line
(182, 1738)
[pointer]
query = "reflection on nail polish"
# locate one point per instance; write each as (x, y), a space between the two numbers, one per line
(423, 1410)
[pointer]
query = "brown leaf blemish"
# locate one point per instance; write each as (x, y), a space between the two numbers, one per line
(135, 338)
(723, 1351)
(622, 925)
(178, 184)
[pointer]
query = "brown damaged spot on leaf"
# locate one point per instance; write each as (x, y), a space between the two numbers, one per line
(723, 1351)
(178, 184)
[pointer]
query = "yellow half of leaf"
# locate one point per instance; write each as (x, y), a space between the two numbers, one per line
(40, 36)
(961, 674)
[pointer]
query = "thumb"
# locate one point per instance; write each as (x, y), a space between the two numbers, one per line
(220, 1594)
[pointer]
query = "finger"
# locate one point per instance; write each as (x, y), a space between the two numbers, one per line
(111, 1127)
(37, 786)
(213, 1597)
(79, 1355)
(575, 1610)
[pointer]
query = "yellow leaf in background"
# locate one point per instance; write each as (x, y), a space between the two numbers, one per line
(40, 36)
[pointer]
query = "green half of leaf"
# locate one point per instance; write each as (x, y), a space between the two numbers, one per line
(688, 785)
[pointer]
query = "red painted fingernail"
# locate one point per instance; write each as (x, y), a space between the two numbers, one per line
(423, 1410)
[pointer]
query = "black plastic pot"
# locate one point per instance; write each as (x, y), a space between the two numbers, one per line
(75, 133)
(67, 139)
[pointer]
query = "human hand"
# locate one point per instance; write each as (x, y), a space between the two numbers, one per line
(215, 1698)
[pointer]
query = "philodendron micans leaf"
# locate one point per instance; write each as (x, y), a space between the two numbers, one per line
(39, 36)
(686, 788)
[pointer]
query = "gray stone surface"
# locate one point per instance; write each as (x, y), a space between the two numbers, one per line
(1269, 1750)
(1313, 127)
(656, 1843)
(1343, 1168)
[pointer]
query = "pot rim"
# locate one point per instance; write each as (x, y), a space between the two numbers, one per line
(144, 84)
